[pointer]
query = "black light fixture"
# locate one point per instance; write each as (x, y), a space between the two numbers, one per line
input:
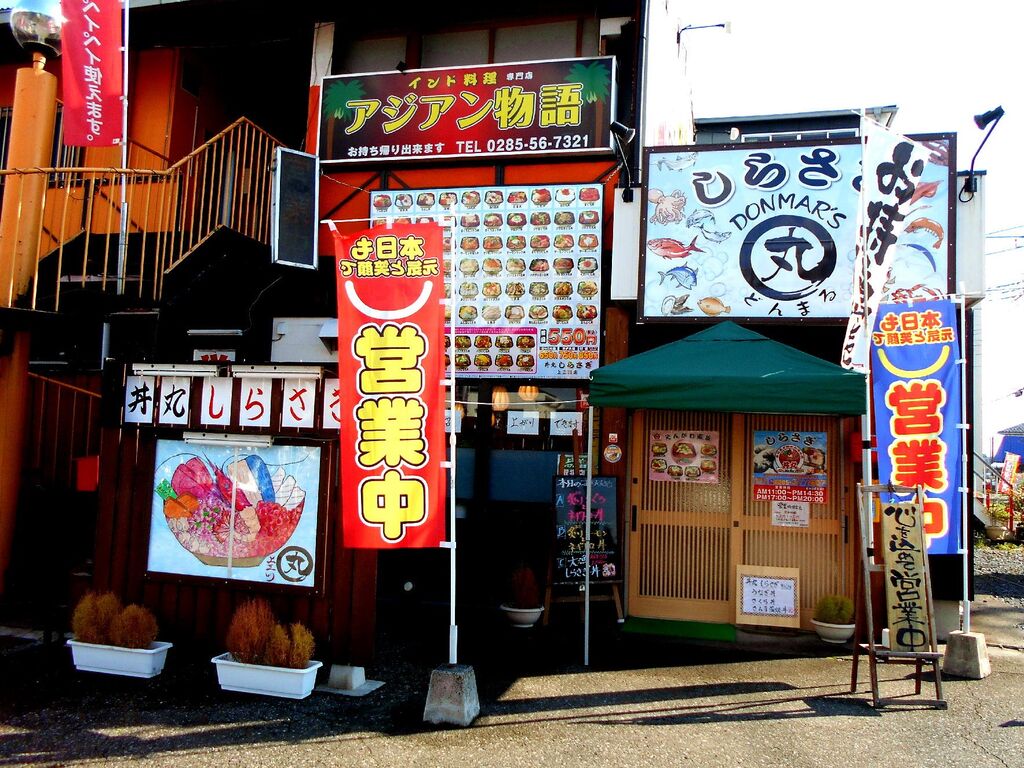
(727, 26)
(986, 119)
(623, 135)
(401, 66)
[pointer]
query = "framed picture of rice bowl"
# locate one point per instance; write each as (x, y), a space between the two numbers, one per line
(247, 514)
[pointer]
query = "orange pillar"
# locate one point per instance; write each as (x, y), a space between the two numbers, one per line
(31, 140)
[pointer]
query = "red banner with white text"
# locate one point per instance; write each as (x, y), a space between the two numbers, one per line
(390, 368)
(92, 82)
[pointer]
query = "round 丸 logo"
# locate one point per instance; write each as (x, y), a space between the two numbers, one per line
(787, 257)
(294, 564)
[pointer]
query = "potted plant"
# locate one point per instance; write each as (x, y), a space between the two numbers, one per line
(833, 618)
(265, 657)
(115, 639)
(524, 608)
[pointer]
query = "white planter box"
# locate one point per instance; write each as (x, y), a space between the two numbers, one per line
(270, 681)
(115, 660)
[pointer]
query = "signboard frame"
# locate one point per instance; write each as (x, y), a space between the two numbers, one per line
(281, 248)
(746, 572)
(599, 130)
(696, 315)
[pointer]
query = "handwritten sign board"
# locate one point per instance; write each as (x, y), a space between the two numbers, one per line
(907, 600)
(570, 557)
(768, 596)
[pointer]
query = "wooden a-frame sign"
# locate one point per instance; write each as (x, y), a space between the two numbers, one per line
(908, 592)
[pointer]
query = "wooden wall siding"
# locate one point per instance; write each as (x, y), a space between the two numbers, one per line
(341, 613)
(818, 550)
(680, 552)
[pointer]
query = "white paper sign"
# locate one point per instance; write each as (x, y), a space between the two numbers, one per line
(217, 398)
(523, 423)
(174, 399)
(299, 403)
(254, 403)
(791, 514)
(332, 404)
(565, 423)
(763, 596)
(139, 392)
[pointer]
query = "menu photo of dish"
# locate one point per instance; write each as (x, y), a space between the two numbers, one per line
(683, 456)
(520, 261)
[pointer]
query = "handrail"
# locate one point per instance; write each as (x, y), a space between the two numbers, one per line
(224, 183)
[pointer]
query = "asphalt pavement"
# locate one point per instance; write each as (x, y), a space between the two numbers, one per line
(644, 701)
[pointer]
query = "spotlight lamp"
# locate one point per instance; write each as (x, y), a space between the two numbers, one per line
(623, 136)
(990, 120)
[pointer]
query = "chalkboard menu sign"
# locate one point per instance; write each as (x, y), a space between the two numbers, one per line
(570, 557)
(293, 209)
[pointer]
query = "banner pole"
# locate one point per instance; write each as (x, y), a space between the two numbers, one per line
(586, 535)
(966, 511)
(866, 426)
(453, 627)
(122, 242)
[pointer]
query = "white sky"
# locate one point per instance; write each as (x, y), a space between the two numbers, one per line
(940, 62)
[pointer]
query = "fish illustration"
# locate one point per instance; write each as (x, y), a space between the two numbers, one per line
(712, 305)
(924, 189)
(928, 225)
(715, 237)
(684, 275)
(704, 220)
(673, 249)
(675, 306)
(677, 163)
(925, 251)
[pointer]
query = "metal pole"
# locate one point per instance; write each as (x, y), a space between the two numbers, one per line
(965, 512)
(586, 535)
(865, 422)
(453, 627)
(122, 242)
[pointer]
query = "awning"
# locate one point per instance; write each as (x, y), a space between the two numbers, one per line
(729, 368)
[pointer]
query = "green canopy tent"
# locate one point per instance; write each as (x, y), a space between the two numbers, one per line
(728, 368)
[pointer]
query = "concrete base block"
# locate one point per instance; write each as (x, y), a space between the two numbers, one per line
(966, 656)
(452, 696)
(345, 677)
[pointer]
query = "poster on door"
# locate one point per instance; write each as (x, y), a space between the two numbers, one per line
(790, 466)
(684, 456)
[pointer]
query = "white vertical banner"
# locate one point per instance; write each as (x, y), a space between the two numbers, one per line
(331, 417)
(217, 399)
(299, 404)
(175, 396)
(254, 402)
(892, 167)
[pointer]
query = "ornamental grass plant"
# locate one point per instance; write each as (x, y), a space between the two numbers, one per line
(255, 637)
(834, 609)
(100, 619)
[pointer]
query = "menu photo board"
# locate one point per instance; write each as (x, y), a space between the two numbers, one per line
(570, 554)
(790, 466)
(684, 456)
(525, 263)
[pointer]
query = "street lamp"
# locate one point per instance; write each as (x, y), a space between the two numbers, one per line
(36, 26)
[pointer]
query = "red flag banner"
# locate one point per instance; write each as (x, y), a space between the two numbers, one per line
(92, 72)
(390, 367)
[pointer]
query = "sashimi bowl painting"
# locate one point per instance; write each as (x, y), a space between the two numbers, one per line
(239, 513)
